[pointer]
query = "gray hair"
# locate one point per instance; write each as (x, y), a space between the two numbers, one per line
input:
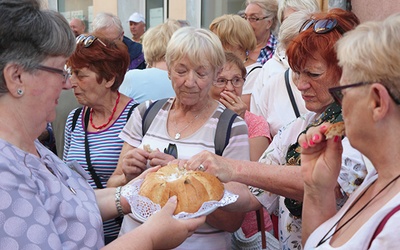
(199, 46)
(105, 20)
(370, 52)
(29, 35)
(270, 8)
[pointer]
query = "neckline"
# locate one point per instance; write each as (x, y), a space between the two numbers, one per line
(326, 237)
(98, 128)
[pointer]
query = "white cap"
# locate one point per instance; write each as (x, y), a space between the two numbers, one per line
(137, 18)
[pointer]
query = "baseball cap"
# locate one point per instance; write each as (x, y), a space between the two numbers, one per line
(137, 18)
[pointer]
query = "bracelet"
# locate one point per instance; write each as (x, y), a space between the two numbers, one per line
(118, 201)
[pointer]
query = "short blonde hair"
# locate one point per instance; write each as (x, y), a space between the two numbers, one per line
(155, 41)
(199, 46)
(270, 8)
(234, 31)
(370, 52)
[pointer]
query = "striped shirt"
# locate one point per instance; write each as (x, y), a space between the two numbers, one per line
(104, 146)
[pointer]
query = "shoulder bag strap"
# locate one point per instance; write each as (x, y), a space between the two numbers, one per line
(383, 222)
(87, 154)
(289, 90)
(256, 67)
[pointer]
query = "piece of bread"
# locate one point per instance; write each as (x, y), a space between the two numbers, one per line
(336, 129)
(147, 148)
(192, 188)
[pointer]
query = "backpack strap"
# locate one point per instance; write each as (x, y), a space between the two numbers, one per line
(131, 110)
(75, 118)
(383, 222)
(223, 132)
(150, 113)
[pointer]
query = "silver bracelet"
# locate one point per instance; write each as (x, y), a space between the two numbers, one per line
(118, 201)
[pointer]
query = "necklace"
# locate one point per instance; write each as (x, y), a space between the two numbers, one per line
(326, 237)
(178, 133)
(109, 119)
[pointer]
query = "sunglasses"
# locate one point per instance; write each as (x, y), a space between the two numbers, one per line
(337, 93)
(322, 26)
(87, 41)
(66, 74)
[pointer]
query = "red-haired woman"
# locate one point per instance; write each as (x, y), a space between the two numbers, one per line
(98, 67)
(277, 178)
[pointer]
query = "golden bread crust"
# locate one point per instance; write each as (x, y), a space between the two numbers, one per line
(192, 188)
(336, 129)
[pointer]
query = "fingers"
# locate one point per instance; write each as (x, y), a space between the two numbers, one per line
(170, 206)
(314, 136)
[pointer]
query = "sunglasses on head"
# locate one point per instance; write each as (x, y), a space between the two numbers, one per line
(88, 40)
(322, 26)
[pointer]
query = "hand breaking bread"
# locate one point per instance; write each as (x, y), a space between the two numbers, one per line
(336, 129)
(147, 148)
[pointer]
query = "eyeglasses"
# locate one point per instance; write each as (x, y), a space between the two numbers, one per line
(88, 40)
(322, 26)
(337, 93)
(254, 19)
(237, 82)
(65, 73)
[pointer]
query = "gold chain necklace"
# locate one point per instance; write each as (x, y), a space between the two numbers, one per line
(178, 133)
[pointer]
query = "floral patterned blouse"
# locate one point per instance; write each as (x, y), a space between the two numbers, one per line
(353, 170)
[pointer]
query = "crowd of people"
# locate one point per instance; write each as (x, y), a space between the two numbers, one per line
(250, 100)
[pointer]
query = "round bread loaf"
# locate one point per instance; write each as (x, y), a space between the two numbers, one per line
(192, 188)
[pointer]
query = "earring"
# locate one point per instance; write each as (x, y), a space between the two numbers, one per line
(20, 92)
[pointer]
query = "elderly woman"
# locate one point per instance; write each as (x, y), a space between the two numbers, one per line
(238, 37)
(313, 59)
(229, 85)
(152, 83)
(261, 14)
(369, 85)
(185, 125)
(98, 67)
(45, 203)
(270, 97)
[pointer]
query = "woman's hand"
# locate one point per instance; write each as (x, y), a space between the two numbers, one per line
(157, 157)
(134, 162)
(233, 102)
(165, 231)
(320, 158)
(213, 164)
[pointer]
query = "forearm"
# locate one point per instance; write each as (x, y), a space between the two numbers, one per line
(318, 206)
(106, 202)
(283, 180)
(138, 239)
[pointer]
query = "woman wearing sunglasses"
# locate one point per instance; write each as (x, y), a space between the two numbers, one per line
(46, 204)
(98, 67)
(370, 99)
(277, 178)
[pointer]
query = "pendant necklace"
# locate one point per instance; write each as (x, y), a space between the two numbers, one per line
(178, 134)
(109, 119)
(326, 237)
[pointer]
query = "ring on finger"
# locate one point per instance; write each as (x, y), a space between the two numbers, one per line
(201, 168)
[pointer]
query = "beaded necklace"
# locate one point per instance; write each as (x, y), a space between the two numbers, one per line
(109, 119)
